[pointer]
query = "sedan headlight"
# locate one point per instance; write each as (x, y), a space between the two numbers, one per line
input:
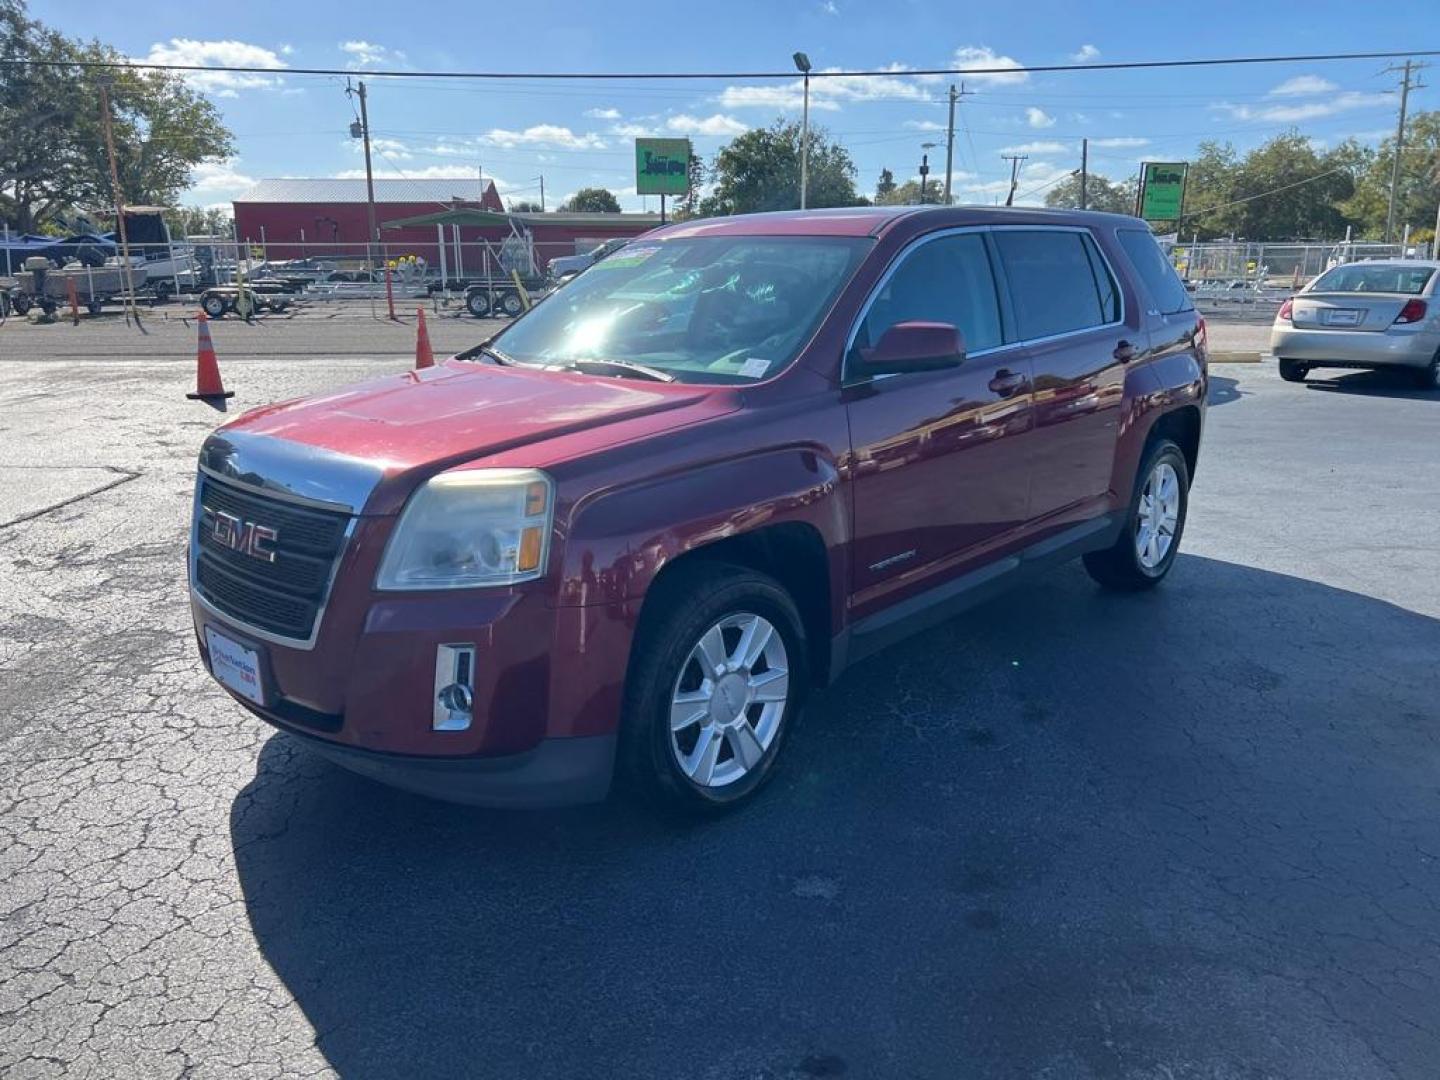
(471, 528)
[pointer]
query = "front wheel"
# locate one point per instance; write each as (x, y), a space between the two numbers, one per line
(478, 304)
(1293, 371)
(1150, 540)
(512, 305)
(716, 680)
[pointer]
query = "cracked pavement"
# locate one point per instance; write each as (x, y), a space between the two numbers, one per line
(1069, 836)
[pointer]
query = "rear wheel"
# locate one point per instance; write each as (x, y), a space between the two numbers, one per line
(717, 678)
(1428, 378)
(511, 304)
(1293, 371)
(1146, 548)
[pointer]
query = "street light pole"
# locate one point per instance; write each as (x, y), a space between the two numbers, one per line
(802, 62)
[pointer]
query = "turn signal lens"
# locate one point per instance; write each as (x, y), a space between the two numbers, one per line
(536, 495)
(1285, 310)
(1413, 311)
(529, 558)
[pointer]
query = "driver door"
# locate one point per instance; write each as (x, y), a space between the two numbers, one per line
(939, 459)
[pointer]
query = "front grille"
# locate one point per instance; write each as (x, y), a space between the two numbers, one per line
(282, 596)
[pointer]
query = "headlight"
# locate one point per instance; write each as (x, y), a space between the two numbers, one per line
(471, 528)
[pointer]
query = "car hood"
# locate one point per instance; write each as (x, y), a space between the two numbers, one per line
(419, 423)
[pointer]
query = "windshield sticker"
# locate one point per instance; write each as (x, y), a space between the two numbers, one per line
(754, 367)
(630, 256)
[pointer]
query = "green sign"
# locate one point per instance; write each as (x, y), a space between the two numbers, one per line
(1162, 190)
(662, 166)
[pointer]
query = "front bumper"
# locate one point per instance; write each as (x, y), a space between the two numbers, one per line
(1355, 348)
(556, 772)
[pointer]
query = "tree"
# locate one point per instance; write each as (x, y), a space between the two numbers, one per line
(1419, 192)
(1101, 193)
(760, 170)
(52, 156)
(884, 187)
(908, 194)
(198, 221)
(1301, 210)
(1209, 187)
(688, 206)
(592, 200)
(525, 206)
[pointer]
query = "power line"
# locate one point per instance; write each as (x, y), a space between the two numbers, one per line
(982, 72)
(1264, 194)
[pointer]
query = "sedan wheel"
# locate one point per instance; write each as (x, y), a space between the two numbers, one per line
(729, 700)
(1429, 377)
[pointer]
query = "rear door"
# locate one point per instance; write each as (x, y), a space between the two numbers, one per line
(1069, 315)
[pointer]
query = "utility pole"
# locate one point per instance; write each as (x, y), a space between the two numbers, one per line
(130, 311)
(364, 134)
(955, 96)
(1084, 173)
(1405, 87)
(1015, 162)
(542, 194)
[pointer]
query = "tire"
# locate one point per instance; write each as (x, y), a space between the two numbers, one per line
(95, 307)
(1141, 556)
(49, 307)
(671, 768)
(1293, 371)
(511, 304)
(478, 304)
(214, 305)
(163, 291)
(1428, 378)
(21, 304)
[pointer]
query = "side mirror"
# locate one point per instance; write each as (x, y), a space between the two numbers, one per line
(915, 346)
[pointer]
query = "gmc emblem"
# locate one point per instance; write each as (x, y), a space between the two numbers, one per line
(246, 537)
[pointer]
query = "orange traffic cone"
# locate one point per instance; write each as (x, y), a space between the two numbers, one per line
(423, 356)
(207, 372)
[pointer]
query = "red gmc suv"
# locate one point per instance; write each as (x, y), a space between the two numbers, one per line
(628, 533)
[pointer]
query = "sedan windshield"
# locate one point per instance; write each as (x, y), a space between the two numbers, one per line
(706, 309)
(1358, 277)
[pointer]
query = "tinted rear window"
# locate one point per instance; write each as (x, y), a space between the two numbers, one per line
(1161, 281)
(1053, 282)
(1357, 277)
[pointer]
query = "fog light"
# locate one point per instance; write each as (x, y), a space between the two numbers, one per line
(454, 688)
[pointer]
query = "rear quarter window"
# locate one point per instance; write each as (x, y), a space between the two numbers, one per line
(1161, 282)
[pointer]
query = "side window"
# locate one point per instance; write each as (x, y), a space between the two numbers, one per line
(1054, 283)
(946, 280)
(1161, 281)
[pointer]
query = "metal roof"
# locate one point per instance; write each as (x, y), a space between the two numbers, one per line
(331, 190)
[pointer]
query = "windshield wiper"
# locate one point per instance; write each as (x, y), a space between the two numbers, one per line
(495, 354)
(624, 367)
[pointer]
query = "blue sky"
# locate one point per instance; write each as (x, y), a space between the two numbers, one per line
(579, 134)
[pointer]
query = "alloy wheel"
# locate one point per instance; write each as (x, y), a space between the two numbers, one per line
(729, 700)
(1158, 515)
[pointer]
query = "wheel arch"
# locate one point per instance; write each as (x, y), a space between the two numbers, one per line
(1182, 427)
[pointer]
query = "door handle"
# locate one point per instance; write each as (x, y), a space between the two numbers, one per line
(1124, 352)
(1007, 382)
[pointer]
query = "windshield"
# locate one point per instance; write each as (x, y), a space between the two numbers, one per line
(1409, 280)
(707, 309)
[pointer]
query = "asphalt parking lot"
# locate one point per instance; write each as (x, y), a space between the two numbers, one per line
(1191, 834)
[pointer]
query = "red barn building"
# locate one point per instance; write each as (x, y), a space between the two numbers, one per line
(293, 218)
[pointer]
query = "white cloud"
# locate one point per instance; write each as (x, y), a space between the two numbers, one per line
(544, 135)
(923, 125)
(1120, 141)
(366, 54)
(992, 69)
(1085, 54)
(1047, 147)
(1303, 84)
(632, 131)
(217, 177)
(1038, 118)
(603, 114)
(1034, 175)
(828, 91)
(829, 8)
(220, 53)
(1311, 110)
(389, 147)
(719, 125)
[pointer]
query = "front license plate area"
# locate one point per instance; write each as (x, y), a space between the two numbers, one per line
(1342, 317)
(235, 666)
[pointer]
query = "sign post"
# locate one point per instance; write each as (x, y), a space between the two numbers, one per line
(1162, 190)
(662, 167)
